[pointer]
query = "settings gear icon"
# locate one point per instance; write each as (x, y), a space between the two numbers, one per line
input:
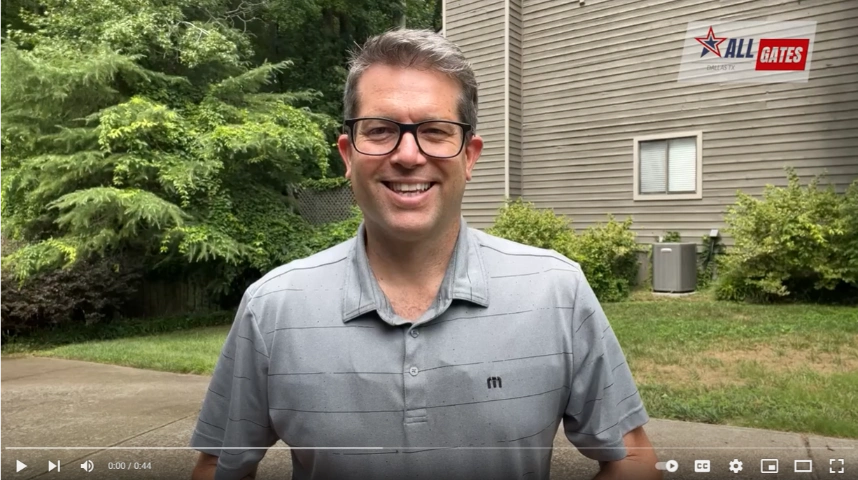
(736, 466)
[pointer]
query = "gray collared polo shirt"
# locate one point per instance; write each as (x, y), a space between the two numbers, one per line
(475, 389)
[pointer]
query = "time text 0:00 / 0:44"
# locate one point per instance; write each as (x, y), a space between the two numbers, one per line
(129, 465)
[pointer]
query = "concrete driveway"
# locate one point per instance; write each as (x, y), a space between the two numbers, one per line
(113, 415)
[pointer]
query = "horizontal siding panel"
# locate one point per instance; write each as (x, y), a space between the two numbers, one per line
(582, 22)
(489, 73)
(655, 36)
(725, 115)
(738, 123)
(834, 131)
(649, 85)
(837, 136)
(547, 13)
(830, 37)
(831, 90)
(466, 34)
(719, 181)
(571, 91)
(558, 68)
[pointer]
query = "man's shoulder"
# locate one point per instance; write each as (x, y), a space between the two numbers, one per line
(305, 273)
(506, 255)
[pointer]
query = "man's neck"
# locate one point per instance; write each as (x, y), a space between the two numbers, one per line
(411, 265)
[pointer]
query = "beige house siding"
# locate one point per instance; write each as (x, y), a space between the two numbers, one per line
(477, 27)
(514, 97)
(595, 76)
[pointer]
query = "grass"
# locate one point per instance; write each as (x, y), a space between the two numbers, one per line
(782, 367)
(188, 351)
(181, 344)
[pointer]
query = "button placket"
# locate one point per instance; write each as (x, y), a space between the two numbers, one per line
(414, 380)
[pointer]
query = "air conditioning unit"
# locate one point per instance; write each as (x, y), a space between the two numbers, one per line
(674, 267)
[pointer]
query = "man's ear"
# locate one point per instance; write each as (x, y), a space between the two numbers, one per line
(345, 148)
(472, 153)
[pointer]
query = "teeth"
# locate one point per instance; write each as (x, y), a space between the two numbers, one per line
(410, 187)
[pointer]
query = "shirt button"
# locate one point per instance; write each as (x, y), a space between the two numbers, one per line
(413, 371)
(415, 333)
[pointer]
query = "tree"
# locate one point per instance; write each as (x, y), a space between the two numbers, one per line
(143, 128)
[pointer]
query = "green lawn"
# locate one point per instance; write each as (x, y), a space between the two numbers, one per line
(782, 367)
(189, 351)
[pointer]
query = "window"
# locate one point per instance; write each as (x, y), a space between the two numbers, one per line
(667, 167)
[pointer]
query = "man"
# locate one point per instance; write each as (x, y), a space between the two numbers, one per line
(421, 348)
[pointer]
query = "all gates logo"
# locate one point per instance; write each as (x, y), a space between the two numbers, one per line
(764, 52)
(773, 54)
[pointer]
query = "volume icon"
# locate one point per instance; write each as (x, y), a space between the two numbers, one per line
(87, 466)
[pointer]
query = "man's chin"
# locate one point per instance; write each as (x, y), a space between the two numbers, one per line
(411, 227)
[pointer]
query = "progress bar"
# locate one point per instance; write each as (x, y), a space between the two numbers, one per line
(571, 447)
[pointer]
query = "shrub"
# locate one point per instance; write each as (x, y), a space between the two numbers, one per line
(606, 253)
(522, 222)
(795, 241)
(87, 292)
(845, 246)
(330, 234)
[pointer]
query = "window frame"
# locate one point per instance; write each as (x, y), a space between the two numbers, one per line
(698, 191)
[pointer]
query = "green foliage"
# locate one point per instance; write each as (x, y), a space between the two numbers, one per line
(176, 132)
(606, 252)
(324, 184)
(671, 237)
(329, 235)
(845, 246)
(87, 292)
(522, 222)
(147, 133)
(793, 242)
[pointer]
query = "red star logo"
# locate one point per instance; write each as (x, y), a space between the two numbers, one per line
(710, 42)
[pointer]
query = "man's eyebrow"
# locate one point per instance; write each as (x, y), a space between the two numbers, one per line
(426, 118)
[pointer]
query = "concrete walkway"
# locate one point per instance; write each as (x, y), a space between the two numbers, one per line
(63, 403)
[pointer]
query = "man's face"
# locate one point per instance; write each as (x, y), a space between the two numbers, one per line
(408, 96)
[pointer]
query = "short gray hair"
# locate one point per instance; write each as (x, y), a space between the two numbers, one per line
(421, 49)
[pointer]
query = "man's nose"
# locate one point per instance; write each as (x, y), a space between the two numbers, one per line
(407, 153)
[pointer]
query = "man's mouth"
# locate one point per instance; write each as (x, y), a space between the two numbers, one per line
(409, 189)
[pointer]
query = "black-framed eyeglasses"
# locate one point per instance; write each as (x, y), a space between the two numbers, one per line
(380, 136)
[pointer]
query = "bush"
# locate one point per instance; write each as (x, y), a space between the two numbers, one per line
(522, 222)
(87, 292)
(607, 253)
(330, 234)
(796, 242)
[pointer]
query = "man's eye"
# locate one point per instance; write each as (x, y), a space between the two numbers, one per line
(379, 131)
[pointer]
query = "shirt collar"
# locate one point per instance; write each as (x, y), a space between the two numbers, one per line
(465, 279)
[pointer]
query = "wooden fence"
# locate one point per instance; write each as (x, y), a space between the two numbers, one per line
(158, 298)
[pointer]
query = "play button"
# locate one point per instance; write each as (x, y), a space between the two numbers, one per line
(20, 466)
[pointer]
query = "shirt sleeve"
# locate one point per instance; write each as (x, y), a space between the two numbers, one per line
(234, 420)
(604, 403)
